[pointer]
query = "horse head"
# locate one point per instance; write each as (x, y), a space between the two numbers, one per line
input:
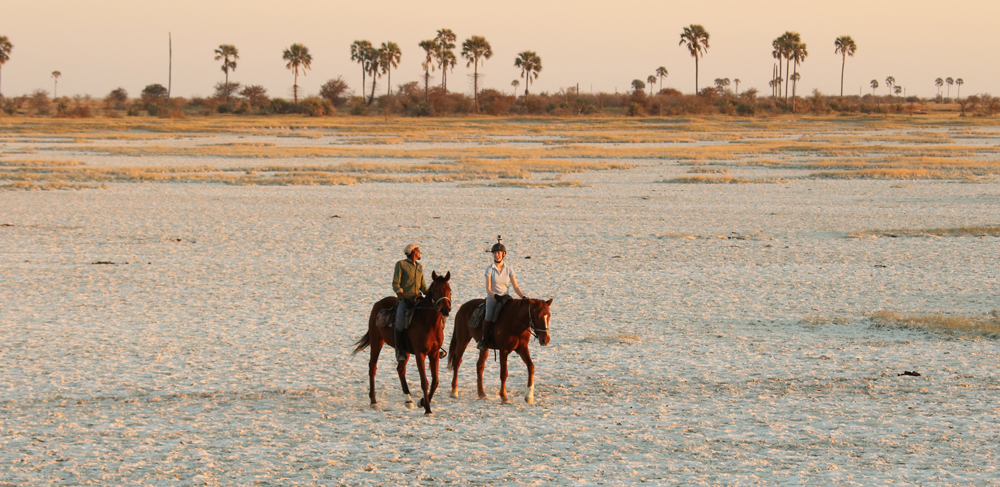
(440, 292)
(538, 319)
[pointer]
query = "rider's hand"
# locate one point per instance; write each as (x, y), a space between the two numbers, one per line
(400, 296)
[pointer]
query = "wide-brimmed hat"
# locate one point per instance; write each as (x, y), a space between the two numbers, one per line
(410, 248)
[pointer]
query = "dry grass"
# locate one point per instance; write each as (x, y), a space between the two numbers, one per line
(973, 231)
(987, 325)
(527, 184)
(47, 186)
(725, 179)
(51, 172)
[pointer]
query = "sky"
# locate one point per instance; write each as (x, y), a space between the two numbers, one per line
(99, 45)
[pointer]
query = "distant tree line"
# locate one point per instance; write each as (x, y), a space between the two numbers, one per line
(335, 96)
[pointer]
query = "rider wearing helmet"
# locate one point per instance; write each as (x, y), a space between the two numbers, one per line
(407, 284)
(498, 276)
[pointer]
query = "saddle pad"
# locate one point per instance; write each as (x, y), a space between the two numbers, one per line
(476, 320)
(386, 318)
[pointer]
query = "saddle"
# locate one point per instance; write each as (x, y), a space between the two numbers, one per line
(387, 317)
(476, 319)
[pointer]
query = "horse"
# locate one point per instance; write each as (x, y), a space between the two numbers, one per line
(425, 334)
(518, 320)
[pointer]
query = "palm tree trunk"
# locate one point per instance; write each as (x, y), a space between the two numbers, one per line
(427, 89)
(388, 79)
(842, 64)
(371, 99)
(227, 87)
(696, 74)
(795, 84)
(363, 82)
(475, 83)
(295, 87)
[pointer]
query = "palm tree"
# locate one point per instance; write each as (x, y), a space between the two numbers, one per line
(874, 85)
(55, 88)
(361, 54)
(388, 57)
(651, 79)
(721, 84)
(298, 57)
(374, 60)
(5, 48)
(661, 72)
(890, 81)
(939, 83)
(799, 54)
(786, 46)
(897, 90)
(779, 53)
(224, 52)
(638, 85)
(429, 46)
(844, 46)
(445, 54)
(476, 49)
(950, 82)
(530, 65)
(959, 82)
(696, 38)
(515, 83)
(737, 83)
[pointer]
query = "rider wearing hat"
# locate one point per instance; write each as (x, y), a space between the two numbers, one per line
(408, 285)
(498, 276)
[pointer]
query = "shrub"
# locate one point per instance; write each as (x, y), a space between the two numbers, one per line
(282, 106)
(255, 95)
(116, 99)
(39, 101)
(154, 94)
(335, 91)
(225, 91)
(316, 107)
(494, 102)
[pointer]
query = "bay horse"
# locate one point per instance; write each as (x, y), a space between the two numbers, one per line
(425, 334)
(518, 320)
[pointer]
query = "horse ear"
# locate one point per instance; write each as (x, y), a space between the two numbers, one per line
(434, 275)
(549, 302)
(447, 276)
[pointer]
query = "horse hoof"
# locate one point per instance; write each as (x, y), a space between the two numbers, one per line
(454, 393)
(442, 354)
(374, 406)
(505, 401)
(481, 398)
(529, 400)
(420, 403)
(428, 413)
(409, 405)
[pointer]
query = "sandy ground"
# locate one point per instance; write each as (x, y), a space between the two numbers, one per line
(701, 334)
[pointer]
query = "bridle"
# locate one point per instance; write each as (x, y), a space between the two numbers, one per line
(437, 303)
(535, 330)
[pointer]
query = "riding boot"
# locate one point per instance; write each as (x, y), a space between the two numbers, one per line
(484, 344)
(400, 348)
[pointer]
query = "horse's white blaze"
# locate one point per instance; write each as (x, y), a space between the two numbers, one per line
(546, 322)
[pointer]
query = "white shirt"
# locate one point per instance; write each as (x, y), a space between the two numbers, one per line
(499, 279)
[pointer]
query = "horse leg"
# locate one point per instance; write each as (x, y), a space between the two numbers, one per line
(422, 368)
(526, 357)
(503, 376)
(435, 363)
(401, 370)
(375, 344)
(456, 359)
(480, 366)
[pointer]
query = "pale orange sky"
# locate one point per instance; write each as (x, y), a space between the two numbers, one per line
(99, 45)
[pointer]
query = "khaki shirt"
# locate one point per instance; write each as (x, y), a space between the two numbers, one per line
(408, 278)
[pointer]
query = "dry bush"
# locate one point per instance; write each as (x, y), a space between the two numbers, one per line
(987, 325)
(972, 231)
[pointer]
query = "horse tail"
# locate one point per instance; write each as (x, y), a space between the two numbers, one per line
(452, 347)
(362, 344)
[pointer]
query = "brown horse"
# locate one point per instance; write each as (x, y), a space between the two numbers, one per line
(425, 334)
(518, 320)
